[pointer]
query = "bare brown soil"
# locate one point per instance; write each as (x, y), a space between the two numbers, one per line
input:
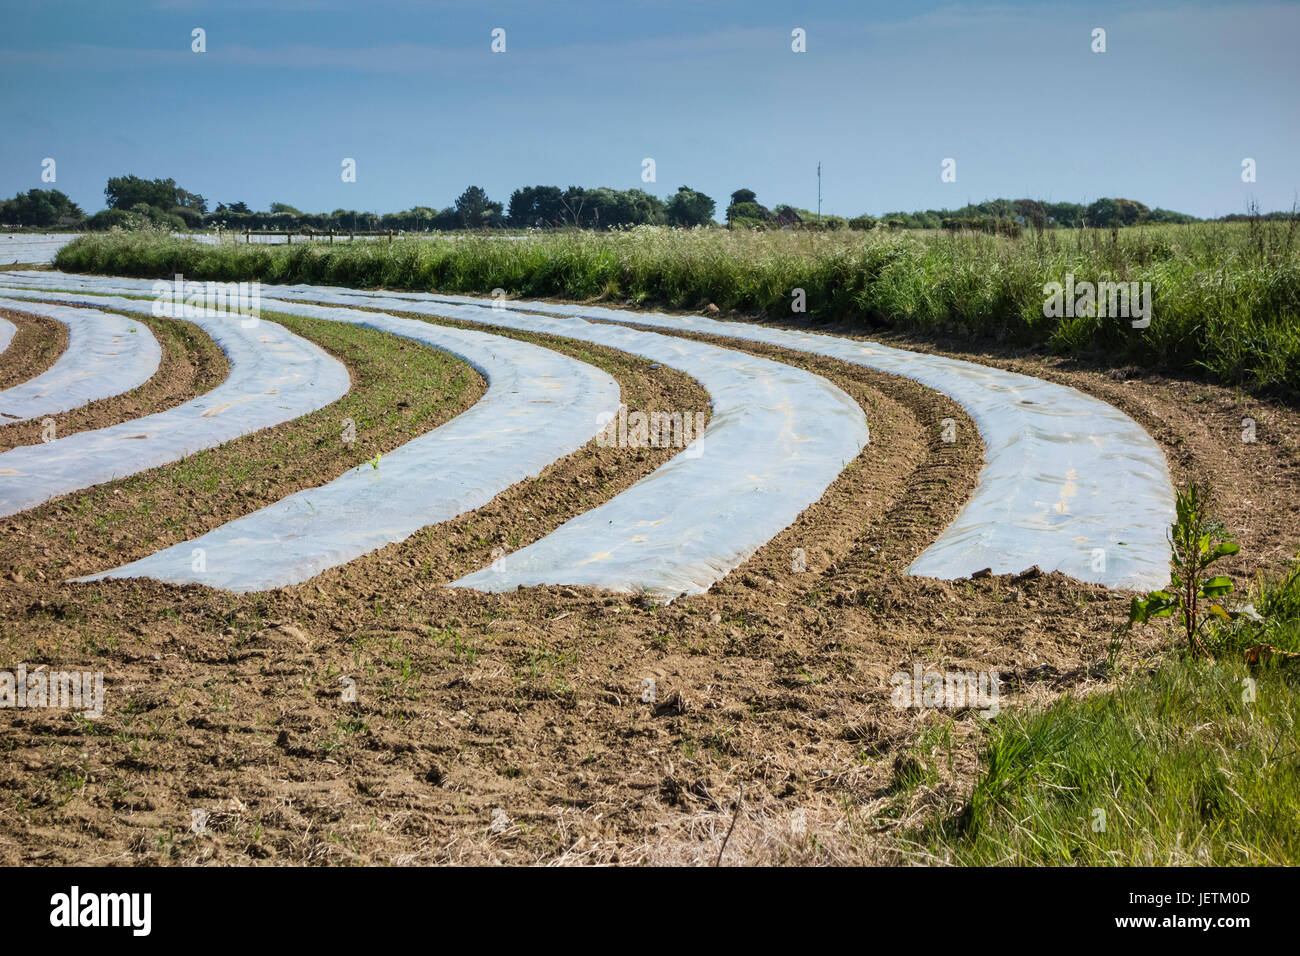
(520, 727)
(36, 345)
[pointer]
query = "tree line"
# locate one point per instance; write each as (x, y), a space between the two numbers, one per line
(133, 202)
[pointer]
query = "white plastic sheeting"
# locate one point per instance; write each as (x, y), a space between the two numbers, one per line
(777, 438)
(14, 280)
(106, 355)
(45, 280)
(7, 331)
(539, 406)
(40, 248)
(274, 376)
(1070, 483)
(37, 248)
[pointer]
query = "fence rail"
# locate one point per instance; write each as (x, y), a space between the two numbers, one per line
(249, 234)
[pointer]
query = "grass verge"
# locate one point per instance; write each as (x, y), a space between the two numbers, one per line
(1187, 763)
(1225, 297)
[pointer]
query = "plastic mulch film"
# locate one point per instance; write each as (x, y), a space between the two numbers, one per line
(274, 376)
(34, 248)
(107, 355)
(777, 438)
(1070, 483)
(539, 406)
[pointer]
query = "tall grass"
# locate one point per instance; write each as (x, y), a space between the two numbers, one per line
(1190, 763)
(1176, 767)
(1226, 296)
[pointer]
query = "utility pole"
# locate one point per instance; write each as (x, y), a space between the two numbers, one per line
(819, 191)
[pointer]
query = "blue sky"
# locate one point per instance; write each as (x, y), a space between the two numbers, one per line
(710, 90)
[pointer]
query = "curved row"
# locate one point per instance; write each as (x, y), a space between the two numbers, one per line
(778, 437)
(7, 330)
(107, 355)
(539, 406)
(1070, 483)
(275, 376)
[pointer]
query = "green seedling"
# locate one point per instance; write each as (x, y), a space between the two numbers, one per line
(1198, 541)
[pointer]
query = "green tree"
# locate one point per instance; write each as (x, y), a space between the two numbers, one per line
(689, 208)
(1168, 215)
(40, 207)
(1111, 213)
(745, 206)
(124, 192)
(474, 210)
(750, 212)
(1067, 215)
(536, 206)
(1131, 212)
(189, 200)
(645, 209)
(1033, 213)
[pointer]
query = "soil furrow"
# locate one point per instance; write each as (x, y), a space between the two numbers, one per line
(36, 345)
